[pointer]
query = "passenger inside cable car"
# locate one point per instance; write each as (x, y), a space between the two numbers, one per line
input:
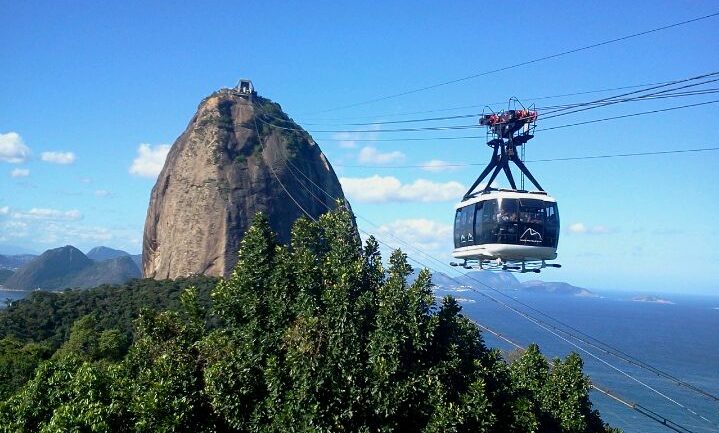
(530, 222)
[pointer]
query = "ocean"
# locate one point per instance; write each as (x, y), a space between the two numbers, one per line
(680, 338)
(9, 296)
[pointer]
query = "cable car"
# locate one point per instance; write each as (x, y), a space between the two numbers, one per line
(506, 229)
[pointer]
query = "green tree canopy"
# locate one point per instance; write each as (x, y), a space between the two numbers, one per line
(314, 336)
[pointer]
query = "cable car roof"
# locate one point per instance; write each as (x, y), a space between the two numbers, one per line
(506, 193)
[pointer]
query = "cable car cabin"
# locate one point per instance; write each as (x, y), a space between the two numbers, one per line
(507, 226)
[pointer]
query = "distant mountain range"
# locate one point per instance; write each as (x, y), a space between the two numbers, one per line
(15, 262)
(68, 267)
(506, 281)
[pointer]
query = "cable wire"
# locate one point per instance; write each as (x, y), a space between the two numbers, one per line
(473, 137)
(559, 159)
(525, 63)
(462, 107)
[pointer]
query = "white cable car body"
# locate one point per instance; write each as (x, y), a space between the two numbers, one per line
(506, 229)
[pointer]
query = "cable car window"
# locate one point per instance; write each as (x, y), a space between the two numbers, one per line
(464, 227)
(457, 227)
(507, 210)
(478, 209)
(551, 225)
(531, 211)
(486, 232)
(467, 238)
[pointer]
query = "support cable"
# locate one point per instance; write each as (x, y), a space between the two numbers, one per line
(525, 63)
(570, 158)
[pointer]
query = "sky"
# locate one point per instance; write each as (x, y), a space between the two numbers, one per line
(92, 95)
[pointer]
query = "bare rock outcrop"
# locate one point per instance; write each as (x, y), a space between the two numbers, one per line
(237, 156)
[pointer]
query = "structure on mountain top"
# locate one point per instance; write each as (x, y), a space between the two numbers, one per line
(245, 87)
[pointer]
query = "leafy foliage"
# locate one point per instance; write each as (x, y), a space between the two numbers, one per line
(314, 336)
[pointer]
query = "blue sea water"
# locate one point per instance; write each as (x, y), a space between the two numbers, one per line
(681, 339)
(9, 296)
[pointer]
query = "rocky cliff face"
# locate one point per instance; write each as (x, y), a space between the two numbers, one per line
(219, 173)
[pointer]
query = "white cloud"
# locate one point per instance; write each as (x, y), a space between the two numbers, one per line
(4, 210)
(63, 158)
(12, 148)
(437, 165)
(102, 193)
(20, 172)
(414, 235)
(55, 233)
(380, 189)
(581, 228)
(49, 214)
(149, 160)
(578, 228)
(369, 154)
(423, 233)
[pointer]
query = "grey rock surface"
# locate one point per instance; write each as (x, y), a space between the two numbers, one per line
(231, 162)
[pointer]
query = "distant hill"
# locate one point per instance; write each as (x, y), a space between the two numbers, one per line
(114, 271)
(555, 288)
(498, 280)
(16, 261)
(5, 274)
(137, 258)
(652, 299)
(67, 267)
(100, 254)
(504, 281)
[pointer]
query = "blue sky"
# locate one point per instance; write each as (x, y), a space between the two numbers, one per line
(91, 94)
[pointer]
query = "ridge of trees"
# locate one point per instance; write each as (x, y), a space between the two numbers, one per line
(313, 336)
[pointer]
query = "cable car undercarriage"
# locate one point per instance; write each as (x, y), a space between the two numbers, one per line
(513, 229)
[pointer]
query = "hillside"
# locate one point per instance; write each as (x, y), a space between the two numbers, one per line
(556, 288)
(506, 281)
(53, 269)
(68, 267)
(5, 274)
(46, 317)
(15, 262)
(101, 253)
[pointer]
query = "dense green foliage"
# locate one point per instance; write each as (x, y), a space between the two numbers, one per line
(46, 317)
(32, 329)
(315, 336)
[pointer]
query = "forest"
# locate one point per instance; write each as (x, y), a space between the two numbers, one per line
(318, 335)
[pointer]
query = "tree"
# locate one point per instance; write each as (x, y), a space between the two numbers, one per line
(312, 336)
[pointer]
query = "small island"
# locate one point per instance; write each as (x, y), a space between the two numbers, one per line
(652, 299)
